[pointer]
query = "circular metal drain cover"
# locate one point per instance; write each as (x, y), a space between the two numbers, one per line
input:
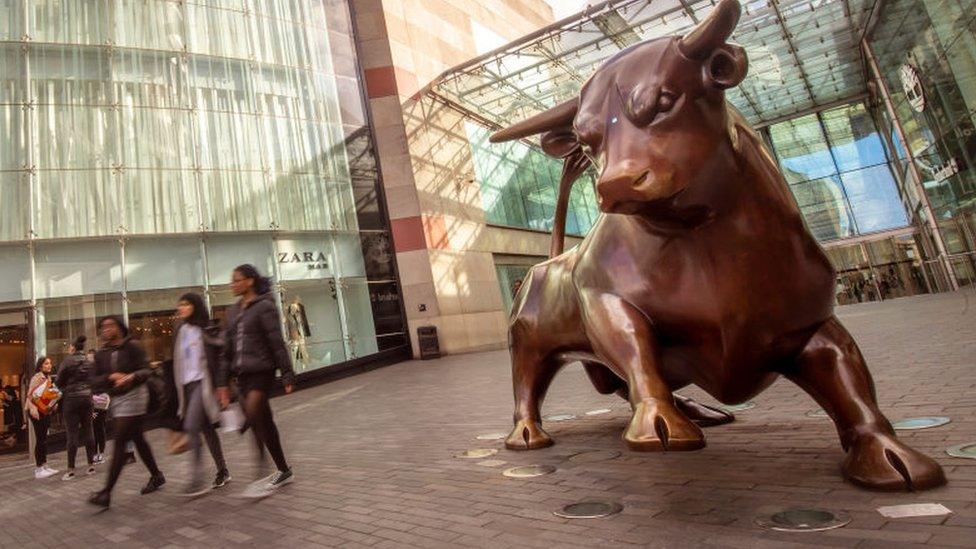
(804, 520)
(529, 471)
(925, 422)
(559, 417)
(748, 405)
(492, 436)
(589, 509)
(598, 411)
(967, 450)
(819, 413)
(592, 456)
(477, 453)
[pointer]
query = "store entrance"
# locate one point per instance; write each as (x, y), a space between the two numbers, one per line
(15, 359)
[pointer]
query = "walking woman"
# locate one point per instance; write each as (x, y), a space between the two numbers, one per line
(196, 358)
(74, 379)
(40, 419)
(121, 371)
(254, 348)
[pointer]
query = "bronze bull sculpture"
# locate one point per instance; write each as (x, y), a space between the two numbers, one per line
(701, 269)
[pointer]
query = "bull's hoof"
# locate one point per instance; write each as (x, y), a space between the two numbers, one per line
(880, 461)
(658, 427)
(528, 435)
(704, 416)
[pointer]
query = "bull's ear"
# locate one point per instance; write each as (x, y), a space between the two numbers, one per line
(560, 143)
(726, 66)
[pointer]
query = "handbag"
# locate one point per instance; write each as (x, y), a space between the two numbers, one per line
(46, 397)
(158, 395)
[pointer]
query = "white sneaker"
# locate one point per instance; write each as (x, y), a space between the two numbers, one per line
(52, 471)
(70, 474)
(99, 459)
(257, 489)
(42, 472)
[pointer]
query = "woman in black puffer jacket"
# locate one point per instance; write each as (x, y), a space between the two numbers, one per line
(253, 349)
(74, 380)
(121, 371)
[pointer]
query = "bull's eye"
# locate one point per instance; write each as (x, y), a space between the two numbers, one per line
(666, 102)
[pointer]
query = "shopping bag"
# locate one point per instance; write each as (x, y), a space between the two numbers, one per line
(231, 419)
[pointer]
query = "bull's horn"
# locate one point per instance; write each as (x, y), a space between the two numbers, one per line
(712, 31)
(557, 117)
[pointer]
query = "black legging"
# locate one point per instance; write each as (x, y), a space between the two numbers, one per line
(257, 410)
(40, 438)
(98, 426)
(129, 429)
(77, 412)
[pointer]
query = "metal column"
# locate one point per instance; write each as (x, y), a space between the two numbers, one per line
(943, 254)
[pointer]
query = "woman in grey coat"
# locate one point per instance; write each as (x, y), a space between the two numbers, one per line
(195, 363)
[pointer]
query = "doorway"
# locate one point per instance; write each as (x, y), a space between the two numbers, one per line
(15, 363)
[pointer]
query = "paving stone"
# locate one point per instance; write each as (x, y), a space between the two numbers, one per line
(373, 459)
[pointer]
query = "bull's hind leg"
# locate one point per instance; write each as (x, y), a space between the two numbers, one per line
(607, 382)
(832, 370)
(622, 337)
(532, 372)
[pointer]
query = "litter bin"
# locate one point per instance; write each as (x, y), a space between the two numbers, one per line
(427, 340)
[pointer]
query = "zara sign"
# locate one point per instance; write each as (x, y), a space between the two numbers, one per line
(311, 260)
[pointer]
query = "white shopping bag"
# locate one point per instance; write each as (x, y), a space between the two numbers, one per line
(231, 419)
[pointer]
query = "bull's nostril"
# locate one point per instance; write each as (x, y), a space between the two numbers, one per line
(640, 180)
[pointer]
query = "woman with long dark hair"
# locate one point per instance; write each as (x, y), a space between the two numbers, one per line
(74, 379)
(121, 370)
(40, 419)
(254, 348)
(196, 358)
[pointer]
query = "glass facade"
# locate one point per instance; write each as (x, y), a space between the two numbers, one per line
(837, 169)
(926, 53)
(149, 146)
(519, 185)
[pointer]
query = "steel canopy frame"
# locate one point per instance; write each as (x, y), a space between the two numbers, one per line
(804, 54)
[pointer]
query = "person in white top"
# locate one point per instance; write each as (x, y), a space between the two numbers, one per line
(41, 420)
(196, 348)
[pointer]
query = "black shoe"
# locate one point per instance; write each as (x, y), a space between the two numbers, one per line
(155, 483)
(100, 499)
(280, 479)
(223, 477)
(130, 458)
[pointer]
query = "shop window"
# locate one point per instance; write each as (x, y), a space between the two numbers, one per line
(152, 319)
(313, 330)
(359, 317)
(60, 321)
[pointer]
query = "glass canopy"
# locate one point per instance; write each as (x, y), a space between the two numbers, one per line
(803, 54)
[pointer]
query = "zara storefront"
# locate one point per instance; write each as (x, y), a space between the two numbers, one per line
(148, 147)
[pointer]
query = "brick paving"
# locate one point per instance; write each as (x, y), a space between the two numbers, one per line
(374, 466)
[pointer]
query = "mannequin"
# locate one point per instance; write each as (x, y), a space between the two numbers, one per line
(298, 330)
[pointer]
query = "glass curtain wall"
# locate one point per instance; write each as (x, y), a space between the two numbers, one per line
(519, 185)
(149, 146)
(837, 169)
(926, 52)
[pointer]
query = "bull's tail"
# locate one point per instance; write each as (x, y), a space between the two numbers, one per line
(574, 164)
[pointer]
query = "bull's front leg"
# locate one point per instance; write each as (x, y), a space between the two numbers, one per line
(832, 370)
(622, 336)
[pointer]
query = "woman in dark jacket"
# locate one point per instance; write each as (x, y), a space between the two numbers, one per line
(253, 349)
(74, 380)
(196, 356)
(121, 371)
